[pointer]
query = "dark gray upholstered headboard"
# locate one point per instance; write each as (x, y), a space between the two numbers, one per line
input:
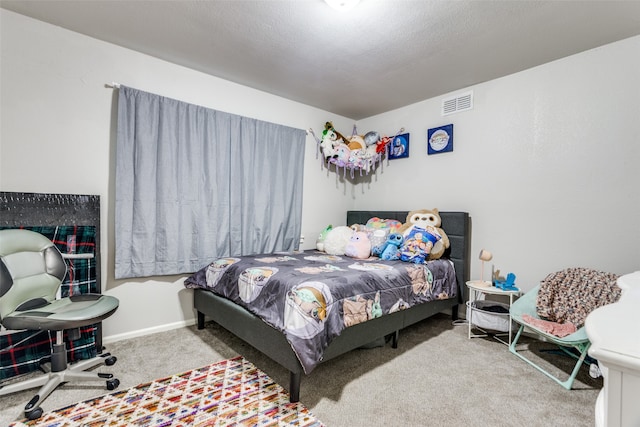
(457, 225)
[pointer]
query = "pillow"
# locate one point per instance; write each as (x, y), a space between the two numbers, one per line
(379, 230)
(418, 243)
(378, 223)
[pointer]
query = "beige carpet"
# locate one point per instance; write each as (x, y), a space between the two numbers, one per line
(437, 377)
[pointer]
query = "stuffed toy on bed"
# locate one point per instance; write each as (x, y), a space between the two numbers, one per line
(359, 246)
(321, 237)
(337, 239)
(390, 250)
(423, 237)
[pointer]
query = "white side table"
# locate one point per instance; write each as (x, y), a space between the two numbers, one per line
(477, 288)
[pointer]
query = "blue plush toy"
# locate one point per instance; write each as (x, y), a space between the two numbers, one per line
(508, 284)
(390, 249)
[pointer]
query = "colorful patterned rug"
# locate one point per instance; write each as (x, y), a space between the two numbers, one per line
(229, 393)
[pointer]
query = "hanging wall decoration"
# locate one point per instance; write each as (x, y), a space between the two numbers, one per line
(399, 147)
(440, 139)
(362, 153)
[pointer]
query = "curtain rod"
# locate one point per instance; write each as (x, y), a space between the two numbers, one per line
(112, 85)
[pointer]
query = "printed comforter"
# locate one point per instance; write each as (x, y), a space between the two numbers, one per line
(311, 296)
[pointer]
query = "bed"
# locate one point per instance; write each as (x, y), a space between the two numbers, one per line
(299, 352)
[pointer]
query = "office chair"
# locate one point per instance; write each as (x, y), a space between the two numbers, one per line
(31, 271)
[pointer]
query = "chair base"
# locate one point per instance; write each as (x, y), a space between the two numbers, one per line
(51, 380)
(568, 383)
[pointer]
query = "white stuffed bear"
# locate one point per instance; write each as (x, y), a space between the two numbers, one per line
(337, 240)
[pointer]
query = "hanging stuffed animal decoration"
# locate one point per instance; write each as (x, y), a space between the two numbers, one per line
(331, 140)
(356, 153)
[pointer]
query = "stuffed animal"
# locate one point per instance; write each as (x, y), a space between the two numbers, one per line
(370, 157)
(371, 138)
(331, 140)
(356, 153)
(428, 240)
(341, 156)
(337, 239)
(356, 142)
(359, 246)
(359, 227)
(381, 145)
(329, 126)
(329, 143)
(390, 250)
(322, 237)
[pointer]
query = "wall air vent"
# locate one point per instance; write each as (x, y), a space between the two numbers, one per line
(457, 103)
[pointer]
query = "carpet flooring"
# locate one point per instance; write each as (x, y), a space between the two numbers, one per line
(436, 377)
(232, 392)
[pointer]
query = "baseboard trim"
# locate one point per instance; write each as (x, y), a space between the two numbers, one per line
(148, 331)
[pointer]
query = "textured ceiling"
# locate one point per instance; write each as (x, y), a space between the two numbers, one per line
(380, 56)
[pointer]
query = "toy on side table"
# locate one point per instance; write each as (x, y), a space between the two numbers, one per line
(498, 281)
(508, 284)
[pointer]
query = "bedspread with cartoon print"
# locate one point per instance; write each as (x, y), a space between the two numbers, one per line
(311, 296)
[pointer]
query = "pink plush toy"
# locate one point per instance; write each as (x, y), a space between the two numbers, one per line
(359, 246)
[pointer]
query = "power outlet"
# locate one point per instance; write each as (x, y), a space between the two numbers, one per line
(301, 239)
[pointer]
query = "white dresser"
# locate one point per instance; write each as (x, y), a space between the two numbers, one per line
(614, 332)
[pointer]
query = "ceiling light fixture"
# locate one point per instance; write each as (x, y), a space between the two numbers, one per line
(342, 5)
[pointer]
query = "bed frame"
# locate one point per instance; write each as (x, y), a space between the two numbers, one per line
(273, 343)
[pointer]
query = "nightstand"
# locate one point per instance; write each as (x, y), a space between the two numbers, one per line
(478, 288)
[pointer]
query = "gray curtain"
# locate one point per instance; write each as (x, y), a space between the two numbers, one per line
(194, 184)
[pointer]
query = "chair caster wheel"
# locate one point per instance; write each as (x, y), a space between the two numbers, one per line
(594, 371)
(113, 384)
(34, 414)
(111, 360)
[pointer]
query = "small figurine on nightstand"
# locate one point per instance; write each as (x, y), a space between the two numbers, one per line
(508, 284)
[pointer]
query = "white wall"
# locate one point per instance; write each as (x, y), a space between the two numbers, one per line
(547, 164)
(57, 135)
